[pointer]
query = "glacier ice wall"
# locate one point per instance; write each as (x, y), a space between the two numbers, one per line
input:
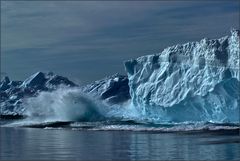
(197, 81)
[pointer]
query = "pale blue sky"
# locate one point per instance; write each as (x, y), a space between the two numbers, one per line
(86, 41)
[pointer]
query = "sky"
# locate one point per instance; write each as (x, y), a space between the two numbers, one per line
(86, 41)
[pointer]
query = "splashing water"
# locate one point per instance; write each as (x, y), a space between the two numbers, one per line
(70, 104)
(64, 104)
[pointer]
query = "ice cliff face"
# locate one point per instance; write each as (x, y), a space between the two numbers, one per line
(197, 81)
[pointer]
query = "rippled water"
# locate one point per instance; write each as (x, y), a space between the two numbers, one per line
(34, 143)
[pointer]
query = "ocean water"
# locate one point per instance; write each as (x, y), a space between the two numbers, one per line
(79, 128)
(92, 141)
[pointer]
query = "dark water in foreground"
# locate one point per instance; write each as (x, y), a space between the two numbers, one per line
(65, 144)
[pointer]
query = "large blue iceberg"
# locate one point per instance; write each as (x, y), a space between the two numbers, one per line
(197, 81)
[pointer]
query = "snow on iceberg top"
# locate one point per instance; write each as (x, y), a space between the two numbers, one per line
(212, 52)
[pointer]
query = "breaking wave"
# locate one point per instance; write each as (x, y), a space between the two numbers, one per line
(65, 104)
(71, 105)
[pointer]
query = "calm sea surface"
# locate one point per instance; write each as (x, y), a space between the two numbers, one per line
(64, 144)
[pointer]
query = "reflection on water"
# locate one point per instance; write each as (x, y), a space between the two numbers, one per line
(27, 143)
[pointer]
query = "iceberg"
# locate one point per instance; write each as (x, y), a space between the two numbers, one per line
(49, 80)
(112, 89)
(196, 81)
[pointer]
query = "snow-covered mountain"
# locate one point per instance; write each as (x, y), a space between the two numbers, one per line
(13, 93)
(196, 81)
